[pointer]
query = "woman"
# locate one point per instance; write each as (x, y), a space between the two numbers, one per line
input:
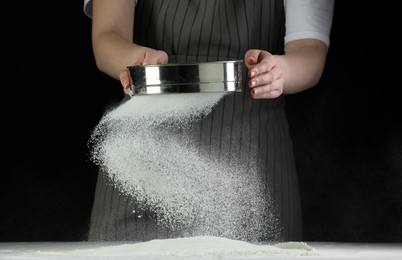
(283, 45)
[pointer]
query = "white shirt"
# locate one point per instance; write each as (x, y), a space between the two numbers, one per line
(308, 19)
(304, 19)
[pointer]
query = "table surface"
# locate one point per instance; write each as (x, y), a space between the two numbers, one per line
(63, 250)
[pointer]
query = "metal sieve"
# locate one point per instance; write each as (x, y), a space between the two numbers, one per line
(216, 76)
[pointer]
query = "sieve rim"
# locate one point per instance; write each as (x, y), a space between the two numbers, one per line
(213, 76)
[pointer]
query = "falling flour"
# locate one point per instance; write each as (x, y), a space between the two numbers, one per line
(146, 147)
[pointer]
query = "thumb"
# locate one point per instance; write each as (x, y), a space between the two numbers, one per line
(155, 57)
(251, 57)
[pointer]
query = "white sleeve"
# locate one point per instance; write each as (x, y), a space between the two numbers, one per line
(308, 19)
(88, 8)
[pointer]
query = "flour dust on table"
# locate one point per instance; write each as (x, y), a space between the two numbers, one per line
(147, 147)
(202, 247)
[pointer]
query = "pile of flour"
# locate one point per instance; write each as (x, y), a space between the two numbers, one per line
(146, 147)
(202, 247)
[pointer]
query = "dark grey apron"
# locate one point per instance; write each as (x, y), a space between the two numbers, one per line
(210, 30)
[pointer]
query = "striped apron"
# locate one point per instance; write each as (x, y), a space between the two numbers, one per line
(212, 30)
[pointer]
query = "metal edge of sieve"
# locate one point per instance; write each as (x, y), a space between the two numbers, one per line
(186, 78)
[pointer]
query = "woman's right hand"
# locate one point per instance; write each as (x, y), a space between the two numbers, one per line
(151, 56)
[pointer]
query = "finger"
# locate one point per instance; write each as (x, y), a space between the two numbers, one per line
(273, 90)
(270, 95)
(266, 65)
(266, 78)
(124, 77)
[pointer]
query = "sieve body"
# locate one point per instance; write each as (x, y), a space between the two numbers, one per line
(219, 76)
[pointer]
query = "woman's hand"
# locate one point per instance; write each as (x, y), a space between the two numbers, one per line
(300, 68)
(150, 57)
(265, 74)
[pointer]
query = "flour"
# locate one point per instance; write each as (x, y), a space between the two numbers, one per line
(204, 246)
(146, 147)
(192, 248)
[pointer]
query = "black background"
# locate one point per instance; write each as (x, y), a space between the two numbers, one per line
(347, 131)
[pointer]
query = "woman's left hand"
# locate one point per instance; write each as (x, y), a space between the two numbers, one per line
(265, 75)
